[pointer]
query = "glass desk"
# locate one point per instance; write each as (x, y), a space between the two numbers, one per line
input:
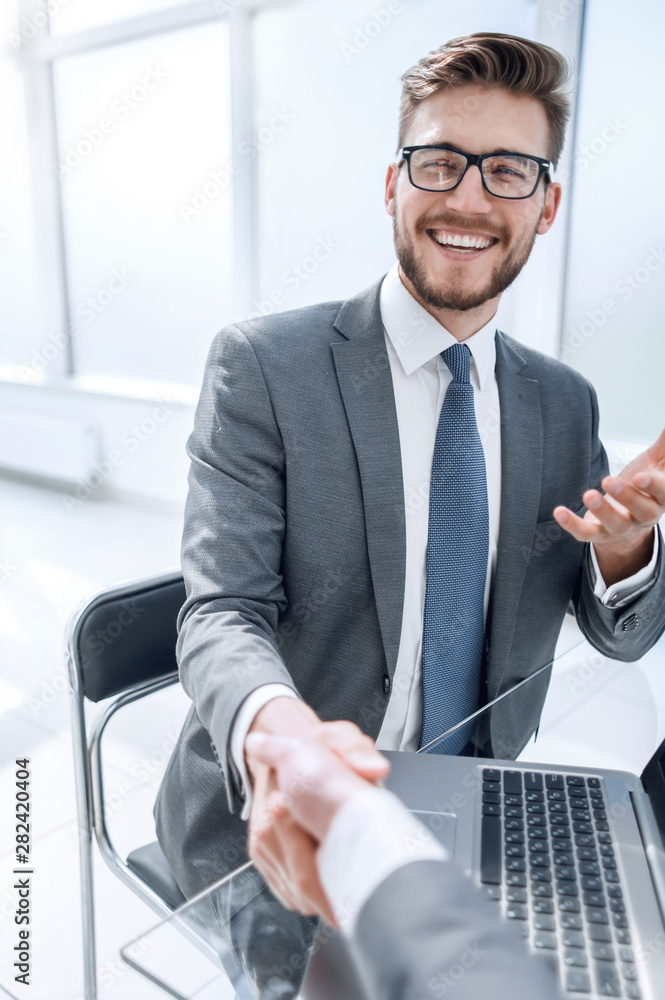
(236, 940)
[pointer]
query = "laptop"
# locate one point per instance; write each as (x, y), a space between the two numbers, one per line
(572, 856)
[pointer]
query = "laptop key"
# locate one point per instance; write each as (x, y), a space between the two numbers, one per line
(611, 876)
(561, 833)
(579, 814)
(539, 847)
(620, 920)
(544, 922)
(578, 982)
(629, 972)
(602, 825)
(536, 820)
(575, 957)
(562, 845)
(490, 850)
(622, 935)
(617, 906)
(585, 840)
(626, 954)
(515, 865)
(566, 873)
(535, 807)
(514, 837)
(604, 838)
(514, 824)
(542, 905)
(494, 797)
(539, 860)
(541, 890)
(609, 863)
(573, 939)
(556, 795)
(615, 891)
(493, 892)
(515, 878)
(516, 911)
(514, 812)
(516, 895)
(514, 850)
(579, 827)
(512, 782)
(491, 810)
(554, 780)
(533, 780)
(607, 979)
(593, 782)
(632, 991)
(596, 916)
(564, 858)
(567, 889)
(545, 939)
(592, 882)
(607, 850)
(574, 779)
(491, 774)
(568, 904)
(599, 932)
(587, 853)
(513, 800)
(594, 898)
(541, 875)
(570, 921)
(535, 797)
(599, 814)
(602, 952)
(577, 793)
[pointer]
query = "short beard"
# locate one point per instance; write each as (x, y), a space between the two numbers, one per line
(455, 299)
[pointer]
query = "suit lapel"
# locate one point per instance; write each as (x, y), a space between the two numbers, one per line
(365, 382)
(521, 479)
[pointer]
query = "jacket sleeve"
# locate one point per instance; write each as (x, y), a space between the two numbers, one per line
(629, 631)
(427, 932)
(232, 545)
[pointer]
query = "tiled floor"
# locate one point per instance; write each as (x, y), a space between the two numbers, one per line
(599, 712)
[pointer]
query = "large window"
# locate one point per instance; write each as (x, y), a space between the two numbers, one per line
(613, 329)
(195, 163)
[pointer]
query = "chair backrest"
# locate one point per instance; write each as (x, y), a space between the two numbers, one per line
(126, 635)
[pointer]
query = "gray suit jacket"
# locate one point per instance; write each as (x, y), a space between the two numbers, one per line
(294, 548)
(426, 933)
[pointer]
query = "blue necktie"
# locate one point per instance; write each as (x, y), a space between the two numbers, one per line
(457, 548)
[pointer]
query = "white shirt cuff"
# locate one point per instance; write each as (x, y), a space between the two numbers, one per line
(371, 836)
(628, 589)
(244, 718)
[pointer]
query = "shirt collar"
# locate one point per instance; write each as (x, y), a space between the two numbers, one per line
(418, 337)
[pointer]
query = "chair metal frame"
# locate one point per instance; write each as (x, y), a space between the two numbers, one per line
(88, 770)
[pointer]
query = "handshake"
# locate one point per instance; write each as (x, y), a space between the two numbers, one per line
(304, 772)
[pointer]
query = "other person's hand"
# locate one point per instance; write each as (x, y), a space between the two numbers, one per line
(620, 523)
(279, 846)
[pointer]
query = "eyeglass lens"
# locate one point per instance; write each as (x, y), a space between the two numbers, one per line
(505, 176)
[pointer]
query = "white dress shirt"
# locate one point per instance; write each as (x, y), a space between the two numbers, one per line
(414, 341)
(370, 837)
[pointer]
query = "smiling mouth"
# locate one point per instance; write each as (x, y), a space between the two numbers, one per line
(462, 245)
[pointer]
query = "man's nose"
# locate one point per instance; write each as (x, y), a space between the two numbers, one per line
(470, 196)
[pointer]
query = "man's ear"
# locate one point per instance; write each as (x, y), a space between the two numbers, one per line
(391, 186)
(551, 207)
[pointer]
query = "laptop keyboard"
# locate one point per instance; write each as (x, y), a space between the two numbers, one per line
(547, 854)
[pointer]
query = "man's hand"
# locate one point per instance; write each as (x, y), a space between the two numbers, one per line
(620, 524)
(310, 784)
(278, 845)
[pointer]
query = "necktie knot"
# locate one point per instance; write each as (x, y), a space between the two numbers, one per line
(458, 360)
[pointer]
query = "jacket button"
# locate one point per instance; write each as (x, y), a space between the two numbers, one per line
(386, 684)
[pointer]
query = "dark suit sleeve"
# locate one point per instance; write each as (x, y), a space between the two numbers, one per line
(426, 932)
(232, 544)
(629, 631)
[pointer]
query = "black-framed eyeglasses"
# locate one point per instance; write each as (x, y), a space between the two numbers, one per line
(504, 174)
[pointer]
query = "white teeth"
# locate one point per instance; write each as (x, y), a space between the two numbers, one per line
(455, 240)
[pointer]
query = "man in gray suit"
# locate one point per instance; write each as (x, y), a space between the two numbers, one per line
(322, 587)
(416, 925)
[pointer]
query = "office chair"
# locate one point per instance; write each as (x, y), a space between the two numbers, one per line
(120, 644)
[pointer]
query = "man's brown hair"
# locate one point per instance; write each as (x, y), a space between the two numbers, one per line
(493, 60)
